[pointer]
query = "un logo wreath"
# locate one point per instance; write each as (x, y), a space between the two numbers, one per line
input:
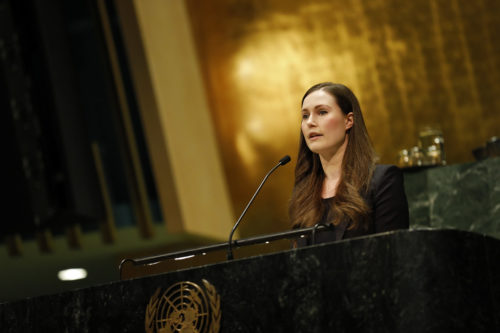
(184, 307)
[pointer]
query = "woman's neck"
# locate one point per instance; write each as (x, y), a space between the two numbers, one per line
(332, 167)
(332, 162)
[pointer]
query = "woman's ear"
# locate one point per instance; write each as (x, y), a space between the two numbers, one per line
(349, 121)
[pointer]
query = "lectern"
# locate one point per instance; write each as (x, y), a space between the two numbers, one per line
(403, 281)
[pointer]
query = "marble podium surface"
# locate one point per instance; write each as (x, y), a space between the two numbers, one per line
(462, 196)
(404, 281)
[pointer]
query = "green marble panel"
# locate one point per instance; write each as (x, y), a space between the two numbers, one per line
(462, 196)
(418, 200)
(494, 180)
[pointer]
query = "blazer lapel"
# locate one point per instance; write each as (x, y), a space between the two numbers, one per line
(340, 229)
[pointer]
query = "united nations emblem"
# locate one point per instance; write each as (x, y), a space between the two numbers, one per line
(184, 307)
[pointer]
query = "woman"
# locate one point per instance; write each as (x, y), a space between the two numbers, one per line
(336, 179)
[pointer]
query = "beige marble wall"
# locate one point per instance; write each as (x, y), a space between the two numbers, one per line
(174, 110)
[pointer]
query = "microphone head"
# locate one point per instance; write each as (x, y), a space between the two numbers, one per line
(285, 159)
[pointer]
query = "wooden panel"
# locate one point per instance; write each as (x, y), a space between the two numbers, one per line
(411, 64)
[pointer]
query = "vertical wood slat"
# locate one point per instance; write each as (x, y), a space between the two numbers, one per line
(135, 179)
(74, 236)
(14, 245)
(108, 227)
(45, 241)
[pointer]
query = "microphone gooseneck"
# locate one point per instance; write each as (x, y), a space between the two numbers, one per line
(284, 160)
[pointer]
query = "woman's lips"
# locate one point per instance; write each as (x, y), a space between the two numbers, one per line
(314, 136)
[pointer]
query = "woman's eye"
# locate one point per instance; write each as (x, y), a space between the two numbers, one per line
(323, 112)
(304, 116)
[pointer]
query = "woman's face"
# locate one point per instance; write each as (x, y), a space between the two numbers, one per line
(324, 125)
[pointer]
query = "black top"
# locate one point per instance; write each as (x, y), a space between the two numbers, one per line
(387, 199)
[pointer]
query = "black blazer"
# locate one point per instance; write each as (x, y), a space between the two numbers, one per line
(386, 196)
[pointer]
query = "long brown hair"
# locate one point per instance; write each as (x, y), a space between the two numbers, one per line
(357, 168)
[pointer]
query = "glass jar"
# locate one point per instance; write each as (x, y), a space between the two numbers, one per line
(404, 158)
(431, 143)
(493, 147)
(416, 157)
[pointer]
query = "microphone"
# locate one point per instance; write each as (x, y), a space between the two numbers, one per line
(284, 160)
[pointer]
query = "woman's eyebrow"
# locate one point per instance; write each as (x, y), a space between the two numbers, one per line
(316, 107)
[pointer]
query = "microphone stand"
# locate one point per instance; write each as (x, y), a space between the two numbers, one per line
(283, 161)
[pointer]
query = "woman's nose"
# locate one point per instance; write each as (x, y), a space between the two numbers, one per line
(311, 121)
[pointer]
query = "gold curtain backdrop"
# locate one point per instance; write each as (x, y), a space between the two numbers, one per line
(411, 64)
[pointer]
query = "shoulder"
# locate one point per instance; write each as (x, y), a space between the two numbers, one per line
(384, 172)
(387, 179)
(385, 168)
(389, 198)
